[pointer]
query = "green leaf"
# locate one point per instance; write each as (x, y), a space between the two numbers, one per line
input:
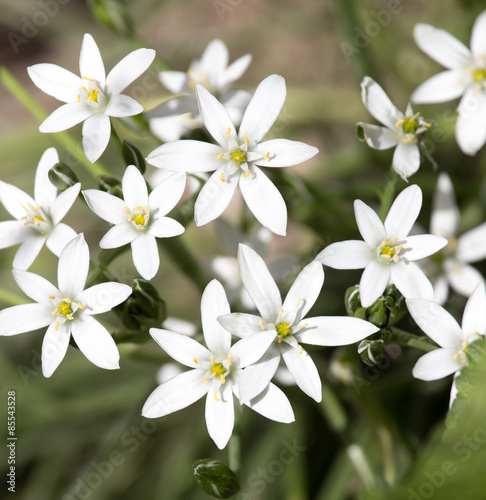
(132, 156)
(215, 478)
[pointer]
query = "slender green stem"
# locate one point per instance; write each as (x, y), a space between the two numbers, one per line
(116, 139)
(17, 90)
(388, 194)
(404, 338)
(234, 447)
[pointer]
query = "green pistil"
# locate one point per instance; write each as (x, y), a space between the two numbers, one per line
(283, 329)
(388, 251)
(479, 75)
(218, 369)
(65, 308)
(409, 126)
(238, 156)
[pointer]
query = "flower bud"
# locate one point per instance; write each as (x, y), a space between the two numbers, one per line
(215, 478)
(62, 176)
(110, 185)
(371, 351)
(113, 14)
(132, 156)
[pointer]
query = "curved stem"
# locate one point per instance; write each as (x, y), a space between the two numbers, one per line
(404, 338)
(388, 194)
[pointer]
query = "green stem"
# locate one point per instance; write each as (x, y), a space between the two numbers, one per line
(116, 139)
(234, 447)
(18, 91)
(404, 338)
(388, 194)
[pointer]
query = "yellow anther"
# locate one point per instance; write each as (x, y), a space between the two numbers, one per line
(409, 139)
(455, 356)
(465, 342)
(220, 156)
(247, 173)
(399, 122)
(68, 316)
(300, 349)
(86, 78)
(266, 156)
(67, 300)
(204, 380)
(195, 360)
(212, 360)
(228, 133)
(223, 380)
(280, 313)
(55, 311)
(303, 325)
(247, 142)
(222, 177)
(426, 124)
(216, 396)
(261, 324)
(84, 88)
(79, 97)
(298, 302)
(80, 305)
(51, 297)
(479, 75)
(452, 243)
(56, 326)
(127, 211)
(230, 360)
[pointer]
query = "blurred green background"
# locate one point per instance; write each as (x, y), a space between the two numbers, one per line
(378, 432)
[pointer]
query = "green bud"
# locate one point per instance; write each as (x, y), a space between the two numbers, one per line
(62, 176)
(112, 14)
(215, 478)
(360, 133)
(371, 351)
(110, 185)
(132, 156)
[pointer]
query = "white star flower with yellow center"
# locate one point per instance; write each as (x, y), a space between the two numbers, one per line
(139, 218)
(285, 326)
(465, 77)
(91, 97)
(38, 220)
(237, 157)
(215, 372)
(387, 252)
(402, 131)
(67, 309)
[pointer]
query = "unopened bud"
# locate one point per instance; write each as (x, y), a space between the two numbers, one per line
(132, 156)
(62, 176)
(215, 478)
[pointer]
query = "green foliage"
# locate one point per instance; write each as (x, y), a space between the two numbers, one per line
(215, 478)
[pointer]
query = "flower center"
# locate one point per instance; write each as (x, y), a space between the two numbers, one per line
(479, 75)
(34, 218)
(139, 216)
(389, 251)
(238, 156)
(198, 77)
(409, 126)
(91, 94)
(218, 369)
(66, 308)
(462, 353)
(283, 329)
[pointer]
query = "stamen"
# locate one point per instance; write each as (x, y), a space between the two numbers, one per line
(80, 305)
(399, 122)
(195, 360)
(280, 313)
(228, 133)
(51, 297)
(68, 316)
(426, 124)
(223, 380)
(298, 302)
(455, 356)
(303, 325)
(67, 300)
(212, 360)
(204, 380)
(56, 326)
(55, 311)
(230, 360)
(261, 324)
(222, 177)
(266, 156)
(216, 396)
(410, 139)
(79, 97)
(247, 142)
(300, 349)
(86, 78)
(247, 173)
(220, 156)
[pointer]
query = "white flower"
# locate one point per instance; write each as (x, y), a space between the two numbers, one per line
(237, 157)
(387, 252)
(443, 329)
(465, 76)
(285, 326)
(139, 218)
(37, 221)
(67, 310)
(177, 117)
(215, 372)
(401, 130)
(92, 97)
(451, 266)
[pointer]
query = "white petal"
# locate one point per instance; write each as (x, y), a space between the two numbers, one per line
(214, 58)
(166, 195)
(478, 36)
(165, 227)
(471, 122)
(369, 224)
(422, 245)
(441, 290)
(213, 304)
(411, 281)
(54, 347)
(272, 403)
(135, 191)
(303, 293)
(435, 322)
(66, 117)
(220, 416)
(445, 214)
(234, 71)
(442, 46)
(45, 192)
(56, 81)
(59, 237)
(471, 245)
(463, 277)
(259, 284)
(443, 87)
(334, 331)
(241, 324)
(12, 233)
(36, 287)
(373, 282)
(406, 159)
(252, 347)
(12, 198)
(110, 208)
(180, 347)
(378, 103)
(474, 317)
(90, 61)
(175, 394)
(73, 267)
(256, 377)
(128, 70)
(303, 370)
(351, 254)
(186, 156)
(378, 137)
(24, 318)
(215, 117)
(145, 255)
(436, 364)
(264, 200)
(214, 197)
(404, 212)
(28, 251)
(103, 297)
(263, 109)
(122, 105)
(174, 81)
(95, 342)
(96, 135)
(284, 153)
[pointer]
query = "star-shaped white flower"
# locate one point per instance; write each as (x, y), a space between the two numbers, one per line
(237, 157)
(139, 218)
(38, 220)
(465, 76)
(67, 309)
(285, 326)
(451, 266)
(215, 372)
(178, 116)
(401, 130)
(91, 97)
(387, 252)
(443, 329)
